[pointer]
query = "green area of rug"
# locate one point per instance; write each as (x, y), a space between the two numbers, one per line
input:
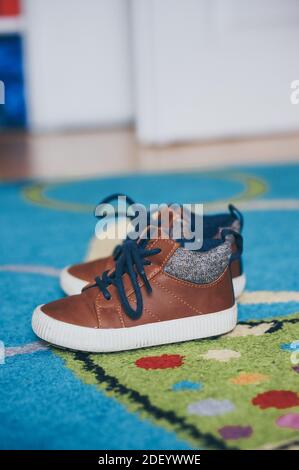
(220, 393)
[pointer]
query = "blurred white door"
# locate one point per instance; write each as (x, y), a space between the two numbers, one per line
(214, 68)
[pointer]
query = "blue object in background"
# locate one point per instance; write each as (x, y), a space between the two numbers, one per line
(13, 112)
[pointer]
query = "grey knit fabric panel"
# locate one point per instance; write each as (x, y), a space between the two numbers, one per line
(199, 267)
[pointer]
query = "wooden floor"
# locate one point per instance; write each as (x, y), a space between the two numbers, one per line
(97, 153)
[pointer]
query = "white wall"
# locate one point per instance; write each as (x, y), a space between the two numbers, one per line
(214, 68)
(78, 63)
(182, 69)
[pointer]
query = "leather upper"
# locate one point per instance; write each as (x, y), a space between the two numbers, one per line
(170, 299)
(89, 270)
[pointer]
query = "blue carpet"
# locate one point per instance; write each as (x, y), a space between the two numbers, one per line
(43, 404)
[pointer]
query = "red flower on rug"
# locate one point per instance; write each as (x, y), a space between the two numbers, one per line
(276, 399)
(165, 361)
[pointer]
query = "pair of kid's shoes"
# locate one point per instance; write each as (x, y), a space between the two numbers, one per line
(150, 292)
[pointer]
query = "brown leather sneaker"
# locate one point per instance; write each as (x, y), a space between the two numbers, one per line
(157, 293)
(74, 278)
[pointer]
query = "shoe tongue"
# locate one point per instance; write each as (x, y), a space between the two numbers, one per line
(170, 223)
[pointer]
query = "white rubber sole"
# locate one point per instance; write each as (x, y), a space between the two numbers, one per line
(239, 284)
(71, 285)
(121, 339)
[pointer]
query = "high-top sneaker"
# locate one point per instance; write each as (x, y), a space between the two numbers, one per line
(157, 292)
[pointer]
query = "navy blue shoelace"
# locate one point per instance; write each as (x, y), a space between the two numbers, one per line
(236, 214)
(114, 197)
(131, 261)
